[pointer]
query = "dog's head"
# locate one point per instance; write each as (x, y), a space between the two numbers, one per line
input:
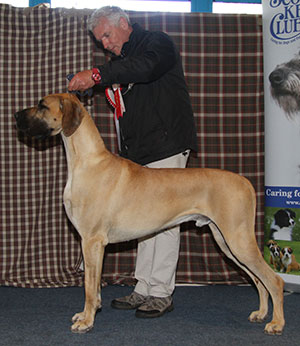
(285, 218)
(275, 251)
(271, 243)
(287, 252)
(54, 114)
(285, 85)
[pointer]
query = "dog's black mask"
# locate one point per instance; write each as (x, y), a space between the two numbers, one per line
(32, 127)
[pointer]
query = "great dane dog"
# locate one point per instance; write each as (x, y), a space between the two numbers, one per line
(110, 199)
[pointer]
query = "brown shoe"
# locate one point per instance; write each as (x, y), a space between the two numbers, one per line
(133, 301)
(155, 307)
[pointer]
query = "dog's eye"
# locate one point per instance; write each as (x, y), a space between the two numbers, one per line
(41, 106)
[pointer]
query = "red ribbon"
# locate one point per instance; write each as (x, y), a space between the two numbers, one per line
(117, 103)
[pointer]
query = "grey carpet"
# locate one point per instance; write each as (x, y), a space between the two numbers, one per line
(209, 315)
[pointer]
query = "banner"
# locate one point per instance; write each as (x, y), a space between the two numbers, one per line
(281, 39)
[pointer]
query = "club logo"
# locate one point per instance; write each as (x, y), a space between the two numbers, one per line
(285, 24)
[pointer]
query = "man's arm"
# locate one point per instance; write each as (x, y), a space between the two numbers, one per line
(157, 58)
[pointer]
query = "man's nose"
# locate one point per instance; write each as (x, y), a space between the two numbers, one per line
(105, 42)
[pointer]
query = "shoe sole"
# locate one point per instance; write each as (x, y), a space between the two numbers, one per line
(151, 314)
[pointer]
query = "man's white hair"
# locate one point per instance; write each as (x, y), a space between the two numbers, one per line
(112, 13)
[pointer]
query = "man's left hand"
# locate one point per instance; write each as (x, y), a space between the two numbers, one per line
(81, 81)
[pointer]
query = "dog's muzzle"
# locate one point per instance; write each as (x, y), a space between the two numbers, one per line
(32, 127)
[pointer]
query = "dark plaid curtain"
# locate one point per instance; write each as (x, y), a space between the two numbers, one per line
(38, 48)
(222, 59)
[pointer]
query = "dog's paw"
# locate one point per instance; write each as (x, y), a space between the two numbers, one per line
(257, 317)
(81, 327)
(78, 317)
(274, 328)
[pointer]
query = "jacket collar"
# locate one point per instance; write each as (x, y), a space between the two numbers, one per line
(134, 39)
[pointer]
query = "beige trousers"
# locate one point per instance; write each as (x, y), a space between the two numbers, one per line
(157, 256)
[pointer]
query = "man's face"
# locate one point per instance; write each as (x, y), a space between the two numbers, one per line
(111, 36)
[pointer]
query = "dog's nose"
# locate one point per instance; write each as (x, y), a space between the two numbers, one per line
(277, 77)
(17, 115)
(20, 116)
(21, 120)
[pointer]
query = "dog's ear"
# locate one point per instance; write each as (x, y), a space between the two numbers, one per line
(72, 116)
(293, 214)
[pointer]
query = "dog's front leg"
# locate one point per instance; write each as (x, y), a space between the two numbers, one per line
(93, 251)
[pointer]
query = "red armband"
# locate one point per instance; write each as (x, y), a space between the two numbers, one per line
(96, 77)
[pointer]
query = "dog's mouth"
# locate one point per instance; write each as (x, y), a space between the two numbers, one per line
(32, 127)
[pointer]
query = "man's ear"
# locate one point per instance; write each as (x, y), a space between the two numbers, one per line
(123, 24)
(72, 116)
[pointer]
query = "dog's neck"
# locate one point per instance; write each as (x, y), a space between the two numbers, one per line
(85, 141)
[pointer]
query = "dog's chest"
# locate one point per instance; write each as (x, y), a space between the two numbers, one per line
(70, 210)
(69, 206)
(286, 260)
(282, 233)
(276, 257)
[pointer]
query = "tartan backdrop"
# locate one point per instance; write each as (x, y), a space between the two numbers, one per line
(222, 58)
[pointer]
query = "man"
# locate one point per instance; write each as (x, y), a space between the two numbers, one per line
(156, 130)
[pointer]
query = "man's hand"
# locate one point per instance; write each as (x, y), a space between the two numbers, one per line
(81, 81)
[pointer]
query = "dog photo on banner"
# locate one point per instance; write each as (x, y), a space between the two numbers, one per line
(282, 139)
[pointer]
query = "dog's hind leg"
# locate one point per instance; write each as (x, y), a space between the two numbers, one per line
(93, 252)
(261, 314)
(246, 255)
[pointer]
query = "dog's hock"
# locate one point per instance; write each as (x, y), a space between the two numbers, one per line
(72, 116)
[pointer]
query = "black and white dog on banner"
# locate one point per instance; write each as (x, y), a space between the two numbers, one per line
(283, 224)
(285, 86)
